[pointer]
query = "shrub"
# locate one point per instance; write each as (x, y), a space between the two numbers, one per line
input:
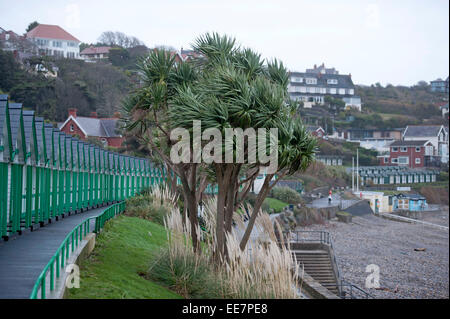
(286, 194)
(263, 271)
(186, 274)
(152, 204)
(143, 207)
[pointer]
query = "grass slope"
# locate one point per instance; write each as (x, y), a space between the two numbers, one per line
(121, 257)
(275, 204)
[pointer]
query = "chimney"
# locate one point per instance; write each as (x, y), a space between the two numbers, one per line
(73, 112)
(94, 115)
(350, 75)
(315, 66)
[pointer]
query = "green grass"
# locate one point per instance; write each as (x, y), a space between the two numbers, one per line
(275, 204)
(120, 260)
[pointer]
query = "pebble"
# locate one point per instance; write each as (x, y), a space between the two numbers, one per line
(390, 245)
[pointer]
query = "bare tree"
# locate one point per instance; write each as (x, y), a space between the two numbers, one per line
(119, 39)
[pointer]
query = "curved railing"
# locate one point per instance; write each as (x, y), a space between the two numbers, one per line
(68, 246)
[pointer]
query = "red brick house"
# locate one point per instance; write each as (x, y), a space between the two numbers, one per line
(412, 154)
(316, 131)
(105, 129)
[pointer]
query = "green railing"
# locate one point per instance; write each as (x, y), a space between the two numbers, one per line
(68, 246)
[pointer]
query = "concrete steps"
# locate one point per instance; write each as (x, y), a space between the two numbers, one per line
(318, 264)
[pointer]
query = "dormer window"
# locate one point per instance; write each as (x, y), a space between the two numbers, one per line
(296, 79)
(311, 81)
(332, 81)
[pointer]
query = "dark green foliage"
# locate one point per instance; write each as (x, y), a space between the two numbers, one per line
(286, 194)
(143, 206)
(118, 56)
(31, 26)
(86, 86)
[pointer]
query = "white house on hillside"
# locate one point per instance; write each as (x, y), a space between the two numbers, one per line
(312, 86)
(55, 41)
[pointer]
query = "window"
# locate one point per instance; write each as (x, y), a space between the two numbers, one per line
(342, 91)
(417, 149)
(386, 159)
(57, 44)
(417, 160)
(332, 91)
(394, 149)
(71, 128)
(332, 81)
(311, 81)
(296, 79)
(394, 160)
(403, 160)
(351, 91)
(42, 42)
(403, 149)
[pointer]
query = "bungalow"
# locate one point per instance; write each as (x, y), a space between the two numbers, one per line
(376, 139)
(317, 131)
(95, 53)
(105, 129)
(330, 160)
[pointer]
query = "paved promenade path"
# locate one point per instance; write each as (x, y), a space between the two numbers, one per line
(23, 258)
(336, 200)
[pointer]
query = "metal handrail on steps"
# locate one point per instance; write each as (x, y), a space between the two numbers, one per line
(324, 237)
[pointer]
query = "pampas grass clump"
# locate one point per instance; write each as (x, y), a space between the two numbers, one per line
(263, 269)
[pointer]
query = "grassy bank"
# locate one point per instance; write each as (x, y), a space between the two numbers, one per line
(275, 204)
(120, 260)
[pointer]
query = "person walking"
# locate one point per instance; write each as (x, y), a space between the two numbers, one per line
(329, 197)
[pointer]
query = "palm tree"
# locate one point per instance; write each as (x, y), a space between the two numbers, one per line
(225, 87)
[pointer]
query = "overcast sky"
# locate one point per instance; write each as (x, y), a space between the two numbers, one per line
(398, 42)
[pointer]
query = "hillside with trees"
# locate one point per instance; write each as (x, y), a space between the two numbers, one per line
(88, 87)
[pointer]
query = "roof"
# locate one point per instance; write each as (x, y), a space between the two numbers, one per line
(95, 50)
(48, 31)
(311, 128)
(409, 143)
(12, 35)
(96, 127)
(422, 130)
(412, 196)
(344, 81)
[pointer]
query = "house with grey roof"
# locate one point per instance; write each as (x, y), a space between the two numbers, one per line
(440, 86)
(436, 134)
(105, 129)
(312, 86)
